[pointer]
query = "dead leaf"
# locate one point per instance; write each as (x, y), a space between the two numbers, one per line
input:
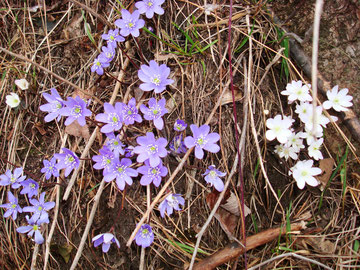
(320, 244)
(40, 128)
(326, 165)
(227, 96)
(64, 251)
(76, 130)
(232, 206)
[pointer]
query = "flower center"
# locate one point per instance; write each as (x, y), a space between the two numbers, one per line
(116, 143)
(13, 206)
(152, 148)
(304, 173)
(213, 174)
(131, 24)
(77, 110)
(58, 105)
(336, 100)
(32, 186)
(40, 208)
(201, 140)
(129, 112)
(120, 169)
(98, 64)
(150, 3)
(156, 80)
(144, 232)
(70, 159)
(35, 227)
(107, 161)
(12, 179)
(112, 38)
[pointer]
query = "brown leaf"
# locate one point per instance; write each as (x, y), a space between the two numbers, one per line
(232, 205)
(40, 128)
(76, 130)
(227, 96)
(326, 165)
(321, 245)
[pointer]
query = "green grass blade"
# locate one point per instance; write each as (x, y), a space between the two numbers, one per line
(88, 29)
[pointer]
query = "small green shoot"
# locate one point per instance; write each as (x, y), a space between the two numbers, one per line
(285, 44)
(245, 40)
(340, 164)
(88, 29)
(186, 248)
(253, 218)
(288, 222)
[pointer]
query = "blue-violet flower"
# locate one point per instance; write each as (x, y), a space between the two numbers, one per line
(33, 230)
(180, 125)
(152, 174)
(202, 140)
(12, 207)
(155, 77)
(130, 113)
(130, 23)
(145, 236)
(150, 149)
(30, 187)
(13, 179)
(75, 109)
(112, 37)
(39, 209)
(171, 202)
(212, 177)
(68, 160)
(50, 168)
(155, 112)
(114, 144)
(104, 160)
(149, 7)
(177, 144)
(122, 172)
(105, 239)
(55, 103)
(112, 117)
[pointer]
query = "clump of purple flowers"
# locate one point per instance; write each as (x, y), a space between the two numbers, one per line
(30, 187)
(154, 77)
(171, 202)
(112, 37)
(202, 140)
(121, 171)
(39, 209)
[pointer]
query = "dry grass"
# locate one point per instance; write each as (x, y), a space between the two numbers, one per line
(200, 79)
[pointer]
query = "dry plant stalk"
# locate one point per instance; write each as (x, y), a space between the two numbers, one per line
(234, 250)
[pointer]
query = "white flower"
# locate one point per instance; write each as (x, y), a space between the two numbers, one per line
(314, 149)
(303, 110)
(310, 136)
(338, 100)
(297, 91)
(278, 128)
(22, 84)
(321, 119)
(296, 141)
(303, 172)
(209, 8)
(12, 100)
(286, 151)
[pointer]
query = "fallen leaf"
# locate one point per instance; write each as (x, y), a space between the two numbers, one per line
(63, 250)
(326, 165)
(320, 244)
(227, 96)
(76, 130)
(40, 128)
(232, 206)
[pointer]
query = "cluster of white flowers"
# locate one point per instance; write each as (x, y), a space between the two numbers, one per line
(13, 99)
(291, 142)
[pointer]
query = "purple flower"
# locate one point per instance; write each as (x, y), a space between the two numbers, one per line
(179, 125)
(33, 229)
(170, 203)
(105, 239)
(112, 117)
(212, 177)
(130, 113)
(130, 23)
(202, 140)
(75, 110)
(144, 236)
(12, 207)
(129, 151)
(149, 7)
(112, 37)
(107, 54)
(150, 149)
(104, 160)
(50, 168)
(68, 160)
(122, 172)
(155, 111)
(155, 77)
(98, 66)
(13, 179)
(114, 144)
(53, 107)
(152, 174)
(177, 144)
(39, 209)
(30, 187)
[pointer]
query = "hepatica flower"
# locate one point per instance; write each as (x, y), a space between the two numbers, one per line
(50, 168)
(107, 54)
(13, 179)
(297, 91)
(55, 103)
(145, 236)
(98, 66)
(212, 177)
(130, 113)
(171, 202)
(12, 207)
(105, 239)
(114, 144)
(104, 160)
(286, 151)
(112, 117)
(152, 174)
(39, 209)
(180, 125)
(202, 140)
(155, 112)
(23, 84)
(150, 149)
(112, 37)
(304, 172)
(30, 187)
(121, 171)
(33, 230)
(12, 100)
(314, 149)
(68, 160)
(154, 77)
(130, 23)
(177, 144)
(278, 128)
(338, 100)
(75, 109)
(149, 7)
